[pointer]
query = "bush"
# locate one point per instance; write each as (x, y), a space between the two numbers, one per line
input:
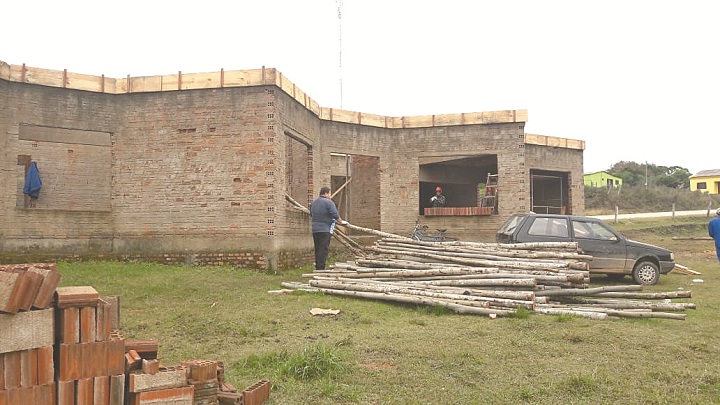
(631, 199)
(314, 362)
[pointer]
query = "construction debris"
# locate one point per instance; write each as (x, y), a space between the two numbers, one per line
(684, 270)
(322, 311)
(487, 279)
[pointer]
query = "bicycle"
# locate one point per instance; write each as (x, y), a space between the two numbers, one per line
(420, 234)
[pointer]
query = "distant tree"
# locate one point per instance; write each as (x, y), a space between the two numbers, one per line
(674, 176)
(631, 173)
(637, 174)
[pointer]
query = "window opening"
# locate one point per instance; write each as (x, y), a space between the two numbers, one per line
(549, 192)
(469, 185)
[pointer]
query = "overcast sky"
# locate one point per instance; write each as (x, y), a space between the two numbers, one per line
(636, 80)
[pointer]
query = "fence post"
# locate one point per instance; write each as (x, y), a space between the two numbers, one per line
(673, 211)
(616, 214)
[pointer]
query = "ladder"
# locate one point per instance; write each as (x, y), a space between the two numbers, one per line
(490, 197)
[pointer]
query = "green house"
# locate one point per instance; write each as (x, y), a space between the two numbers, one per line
(602, 179)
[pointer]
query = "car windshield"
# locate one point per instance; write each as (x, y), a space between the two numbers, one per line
(509, 226)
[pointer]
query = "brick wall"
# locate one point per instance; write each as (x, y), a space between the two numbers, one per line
(200, 176)
(200, 164)
(399, 151)
(67, 133)
(74, 163)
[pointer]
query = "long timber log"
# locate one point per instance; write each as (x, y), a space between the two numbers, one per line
(488, 263)
(393, 289)
(648, 296)
(628, 304)
(471, 255)
(492, 254)
(461, 309)
(562, 311)
(623, 314)
(588, 291)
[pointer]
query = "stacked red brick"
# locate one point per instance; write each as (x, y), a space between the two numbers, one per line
(194, 382)
(90, 355)
(203, 377)
(75, 354)
(165, 385)
(24, 287)
(27, 371)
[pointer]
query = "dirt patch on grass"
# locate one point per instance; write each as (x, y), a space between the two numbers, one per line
(377, 365)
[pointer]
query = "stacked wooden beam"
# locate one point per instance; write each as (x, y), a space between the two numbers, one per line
(488, 279)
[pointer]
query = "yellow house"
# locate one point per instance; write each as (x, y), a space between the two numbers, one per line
(707, 181)
(602, 179)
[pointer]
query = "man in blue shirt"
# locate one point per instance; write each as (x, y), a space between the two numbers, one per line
(714, 232)
(324, 215)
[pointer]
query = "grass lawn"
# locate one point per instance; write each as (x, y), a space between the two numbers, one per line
(387, 353)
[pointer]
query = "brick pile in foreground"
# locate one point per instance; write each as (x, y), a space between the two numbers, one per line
(63, 346)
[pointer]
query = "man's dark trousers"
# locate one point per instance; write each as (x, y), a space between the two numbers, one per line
(322, 245)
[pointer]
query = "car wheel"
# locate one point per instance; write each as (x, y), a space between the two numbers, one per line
(646, 273)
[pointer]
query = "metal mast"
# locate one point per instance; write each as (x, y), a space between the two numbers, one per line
(340, 6)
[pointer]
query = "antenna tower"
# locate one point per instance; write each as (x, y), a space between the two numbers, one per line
(340, 6)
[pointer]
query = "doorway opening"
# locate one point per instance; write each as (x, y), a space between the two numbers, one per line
(549, 192)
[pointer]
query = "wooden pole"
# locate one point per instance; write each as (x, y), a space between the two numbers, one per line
(341, 187)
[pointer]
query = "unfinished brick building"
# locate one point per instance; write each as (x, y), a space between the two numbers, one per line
(195, 168)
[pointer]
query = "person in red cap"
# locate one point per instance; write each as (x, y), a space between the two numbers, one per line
(438, 200)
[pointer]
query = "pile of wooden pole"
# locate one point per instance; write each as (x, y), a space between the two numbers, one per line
(487, 279)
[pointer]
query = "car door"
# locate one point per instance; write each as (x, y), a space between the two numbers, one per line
(595, 238)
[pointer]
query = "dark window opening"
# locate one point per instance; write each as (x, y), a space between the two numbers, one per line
(463, 180)
(702, 186)
(549, 192)
(298, 160)
(354, 184)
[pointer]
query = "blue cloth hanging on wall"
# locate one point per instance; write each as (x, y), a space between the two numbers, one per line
(33, 184)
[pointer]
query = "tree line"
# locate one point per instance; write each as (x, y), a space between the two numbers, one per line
(648, 188)
(648, 174)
